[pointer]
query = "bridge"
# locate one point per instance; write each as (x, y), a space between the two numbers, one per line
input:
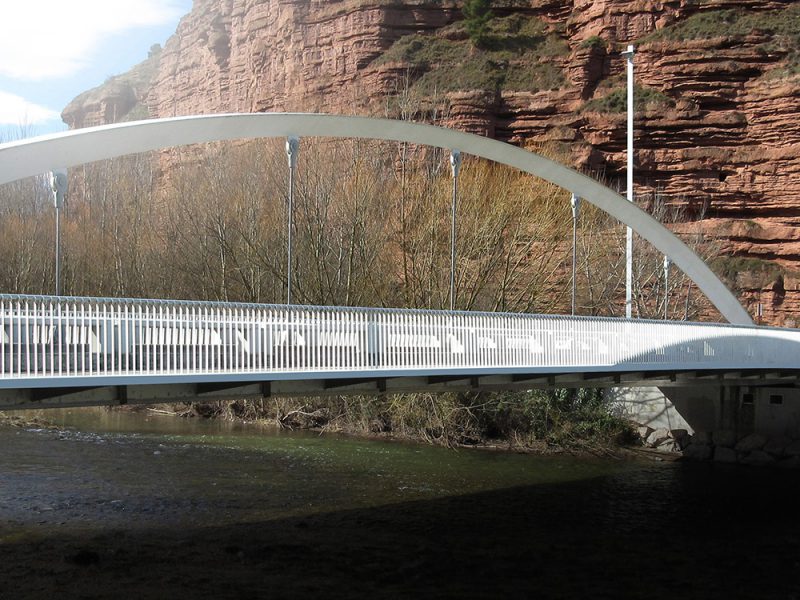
(59, 351)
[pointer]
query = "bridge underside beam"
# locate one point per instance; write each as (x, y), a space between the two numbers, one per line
(31, 398)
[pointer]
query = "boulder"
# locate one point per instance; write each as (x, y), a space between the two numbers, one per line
(724, 455)
(758, 458)
(657, 437)
(678, 434)
(669, 445)
(725, 437)
(792, 449)
(777, 446)
(698, 451)
(644, 431)
(681, 437)
(754, 441)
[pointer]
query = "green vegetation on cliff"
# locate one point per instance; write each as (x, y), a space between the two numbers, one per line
(782, 25)
(477, 14)
(617, 100)
(514, 53)
(780, 30)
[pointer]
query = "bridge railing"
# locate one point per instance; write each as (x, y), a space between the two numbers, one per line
(45, 337)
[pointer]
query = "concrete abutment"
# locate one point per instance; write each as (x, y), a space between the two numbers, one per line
(749, 424)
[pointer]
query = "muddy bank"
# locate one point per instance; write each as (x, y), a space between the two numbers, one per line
(539, 421)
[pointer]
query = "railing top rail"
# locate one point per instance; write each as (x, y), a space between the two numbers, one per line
(359, 309)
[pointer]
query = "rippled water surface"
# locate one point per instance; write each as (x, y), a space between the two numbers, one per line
(118, 496)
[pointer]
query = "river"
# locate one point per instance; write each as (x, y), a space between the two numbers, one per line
(138, 505)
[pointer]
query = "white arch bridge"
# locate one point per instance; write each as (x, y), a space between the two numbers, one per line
(79, 351)
(76, 351)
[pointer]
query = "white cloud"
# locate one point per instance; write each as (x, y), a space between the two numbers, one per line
(56, 38)
(17, 111)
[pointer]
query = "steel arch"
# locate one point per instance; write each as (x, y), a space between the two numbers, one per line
(34, 156)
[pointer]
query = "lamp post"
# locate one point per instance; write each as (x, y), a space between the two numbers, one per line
(628, 54)
(455, 167)
(292, 148)
(58, 187)
(667, 265)
(575, 202)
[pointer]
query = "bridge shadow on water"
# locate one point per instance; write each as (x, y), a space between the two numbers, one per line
(726, 533)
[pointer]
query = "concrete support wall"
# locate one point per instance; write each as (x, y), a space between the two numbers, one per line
(647, 406)
(755, 425)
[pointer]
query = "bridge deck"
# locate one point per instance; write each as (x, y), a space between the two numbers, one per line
(78, 343)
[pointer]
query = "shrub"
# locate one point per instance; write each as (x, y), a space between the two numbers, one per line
(477, 14)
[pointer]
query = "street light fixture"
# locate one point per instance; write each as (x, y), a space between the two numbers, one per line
(628, 54)
(667, 265)
(575, 202)
(292, 148)
(58, 187)
(455, 167)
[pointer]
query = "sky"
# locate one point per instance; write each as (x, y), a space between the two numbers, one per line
(53, 50)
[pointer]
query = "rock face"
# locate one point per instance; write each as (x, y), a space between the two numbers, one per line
(717, 130)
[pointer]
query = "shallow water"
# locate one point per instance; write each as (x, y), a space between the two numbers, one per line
(188, 496)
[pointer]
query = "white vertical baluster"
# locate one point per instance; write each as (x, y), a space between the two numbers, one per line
(17, 330)
(2, 337)
(222, 312)
(123, 348)
(152, 347)
(40, 338)
(350, 340)
(317, 352)
(215, 348)
(233, 315)
(137, 338)
(194, 350)
(262, 334)
(362, 340)
(273, 350)
(252, 337)
(388, 357)
(227, 347)
(27, 331)
(81, 345)
(91, 356)
(330, 334)
(208, 345)
(94, 328)
(397, 347)
(163, 354)
(52, 340)
(73, 366)
(336, 340)
(311, 339)
(239, 330)
(291, 338)
(282, 332)
(322, 340)
(145, 338)
(178, 340)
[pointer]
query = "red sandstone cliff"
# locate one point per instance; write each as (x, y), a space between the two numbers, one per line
(718, 129)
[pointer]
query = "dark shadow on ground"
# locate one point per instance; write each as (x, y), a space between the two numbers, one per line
(733, 540)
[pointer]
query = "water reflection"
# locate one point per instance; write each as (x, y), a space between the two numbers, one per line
(191, 495)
